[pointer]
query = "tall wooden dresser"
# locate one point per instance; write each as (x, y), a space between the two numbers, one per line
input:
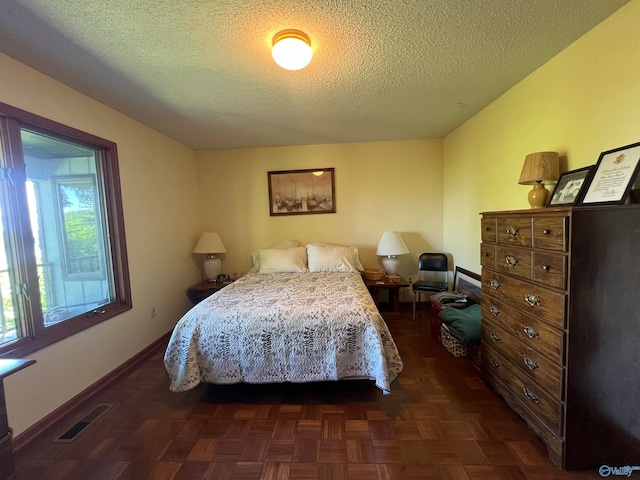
(561, 327)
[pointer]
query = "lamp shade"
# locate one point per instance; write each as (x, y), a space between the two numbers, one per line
(209, 243)
(391, 244)
(540, 167)
(291, 49)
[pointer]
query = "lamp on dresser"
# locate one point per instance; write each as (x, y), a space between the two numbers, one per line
(538, 168)
(211, 245)
(391, 245)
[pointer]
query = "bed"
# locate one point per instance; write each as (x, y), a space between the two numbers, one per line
(298, 318)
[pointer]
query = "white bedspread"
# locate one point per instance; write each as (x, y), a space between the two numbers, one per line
(283, 327)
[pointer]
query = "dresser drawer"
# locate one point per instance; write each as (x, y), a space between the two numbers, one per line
(489, 232)
(550, 233)
(554, 442)
(515, 231)
(532, 299)
(531, 363)
(533, 333)
(514, 260)
(6, 457)
(488, 255)
(550, 269)
(536, 400)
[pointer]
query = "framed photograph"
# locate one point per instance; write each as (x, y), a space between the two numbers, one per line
(302, 192)
(569, 187)
(613, 176)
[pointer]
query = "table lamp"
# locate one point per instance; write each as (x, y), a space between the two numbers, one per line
(210, 244)
(391, 245)
(538, 168)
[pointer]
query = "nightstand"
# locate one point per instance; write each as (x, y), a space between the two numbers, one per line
(390, 309)
(202, 290)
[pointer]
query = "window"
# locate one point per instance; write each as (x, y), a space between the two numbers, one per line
(83, 242)
(63, 262)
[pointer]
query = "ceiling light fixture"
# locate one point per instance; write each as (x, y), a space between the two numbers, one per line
(291, 49)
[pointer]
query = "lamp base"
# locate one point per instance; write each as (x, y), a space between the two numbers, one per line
(538, 196)
(212, 268)
(390, 264)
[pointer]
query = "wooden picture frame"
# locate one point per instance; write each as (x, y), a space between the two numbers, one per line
(302, 192)
(613, 176)
(468, 282)
(569, 187)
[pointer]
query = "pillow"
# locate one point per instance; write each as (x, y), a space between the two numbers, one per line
(286, 244)
(470, 314)
(282, 260)
(333, 258)
(463, 324)
(255, 259)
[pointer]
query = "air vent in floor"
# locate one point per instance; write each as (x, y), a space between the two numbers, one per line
(72, 433)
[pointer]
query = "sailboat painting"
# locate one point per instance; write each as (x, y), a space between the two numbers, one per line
(302, 192)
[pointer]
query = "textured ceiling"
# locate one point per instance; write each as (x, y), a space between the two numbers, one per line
(201, 71)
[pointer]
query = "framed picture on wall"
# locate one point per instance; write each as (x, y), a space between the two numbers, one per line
(569, 186)
(302, 192)
(613, 176)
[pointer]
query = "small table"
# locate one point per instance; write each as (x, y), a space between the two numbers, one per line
(390, 309)
(202, 290)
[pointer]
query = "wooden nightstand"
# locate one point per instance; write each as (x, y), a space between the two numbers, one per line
(202, 290)
(390, 309)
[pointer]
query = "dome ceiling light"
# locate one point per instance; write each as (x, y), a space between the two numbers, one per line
(291, 49)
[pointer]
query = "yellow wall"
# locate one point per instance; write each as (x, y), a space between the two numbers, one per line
(158, 177)
(581, 103)
(379, 187)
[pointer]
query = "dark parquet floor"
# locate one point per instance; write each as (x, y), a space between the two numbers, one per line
(439, 422)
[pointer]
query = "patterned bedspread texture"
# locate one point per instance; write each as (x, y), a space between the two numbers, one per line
(283, 327)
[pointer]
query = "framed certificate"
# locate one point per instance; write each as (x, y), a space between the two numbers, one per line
(613, 176)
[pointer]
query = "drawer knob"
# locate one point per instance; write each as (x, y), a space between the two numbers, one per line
(531, 363)
(494, 336)
(486, 229)
(530, 331)
(532, 300)
(511, 261)
(495, 284)
(546, 231)
(485, 254)
(545, 268)
(494, 362)
(530, 395)
(495, 311)
(512, 231)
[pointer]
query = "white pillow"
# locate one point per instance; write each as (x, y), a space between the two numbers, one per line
(285, 244)
(255, 258)
(333, 258)
(282, 260)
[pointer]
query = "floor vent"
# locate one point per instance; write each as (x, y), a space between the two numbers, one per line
(72, 433)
